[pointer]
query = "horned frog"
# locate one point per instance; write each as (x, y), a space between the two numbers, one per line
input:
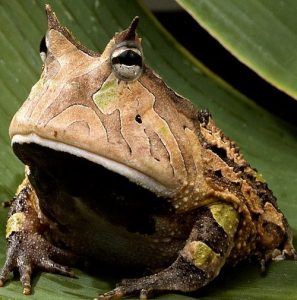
(122, 171)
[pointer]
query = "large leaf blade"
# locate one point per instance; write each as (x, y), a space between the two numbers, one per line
(270, 147)
(260, 33)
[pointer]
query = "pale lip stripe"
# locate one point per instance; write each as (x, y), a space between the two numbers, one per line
(135, 176)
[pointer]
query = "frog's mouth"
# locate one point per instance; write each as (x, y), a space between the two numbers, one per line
(133, 175)
(59, 176)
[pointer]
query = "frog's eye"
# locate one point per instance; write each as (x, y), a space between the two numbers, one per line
(127, 61)
(43, 49)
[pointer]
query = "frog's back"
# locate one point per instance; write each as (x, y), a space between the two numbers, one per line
(263, 230)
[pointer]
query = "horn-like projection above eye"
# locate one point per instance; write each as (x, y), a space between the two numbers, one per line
(127, 58)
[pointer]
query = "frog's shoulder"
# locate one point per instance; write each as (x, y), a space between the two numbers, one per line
(227, 166)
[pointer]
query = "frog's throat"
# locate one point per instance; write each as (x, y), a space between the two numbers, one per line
(133, 175)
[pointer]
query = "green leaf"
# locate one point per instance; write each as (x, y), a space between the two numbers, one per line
(268, 143)
(260, 33)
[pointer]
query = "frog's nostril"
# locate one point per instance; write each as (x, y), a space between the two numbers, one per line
(138, 119)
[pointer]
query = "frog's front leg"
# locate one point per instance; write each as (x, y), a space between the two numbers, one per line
(27, 249)
(199, 262)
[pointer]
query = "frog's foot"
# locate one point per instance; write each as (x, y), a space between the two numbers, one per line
(182, 275)
(198, 263)
(29, 251)
(288, 251)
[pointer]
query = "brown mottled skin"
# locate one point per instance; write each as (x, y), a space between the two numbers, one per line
(122, 171)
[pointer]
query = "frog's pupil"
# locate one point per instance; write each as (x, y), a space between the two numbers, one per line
(128, 58)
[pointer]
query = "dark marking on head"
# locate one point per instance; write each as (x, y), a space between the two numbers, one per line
(203, 116)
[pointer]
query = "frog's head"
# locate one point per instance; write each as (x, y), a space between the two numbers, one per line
(108, 108)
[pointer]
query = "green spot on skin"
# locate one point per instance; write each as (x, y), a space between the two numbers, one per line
(15, 223)
(260, 178)
(203, 256)
(106, 95)
(226, 216)
(163, 130)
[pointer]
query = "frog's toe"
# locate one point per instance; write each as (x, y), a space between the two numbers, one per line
(129, 287)
(114, 294)
(28, 252)
(25, 269)
(8, 267)
(20, 262)
(50, 266)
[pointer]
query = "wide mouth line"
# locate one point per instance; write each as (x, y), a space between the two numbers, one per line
(69, 186)
(133, 175)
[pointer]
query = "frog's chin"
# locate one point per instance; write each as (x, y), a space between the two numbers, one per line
(133, 175)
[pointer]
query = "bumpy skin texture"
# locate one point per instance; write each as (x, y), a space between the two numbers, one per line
(194, 205)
